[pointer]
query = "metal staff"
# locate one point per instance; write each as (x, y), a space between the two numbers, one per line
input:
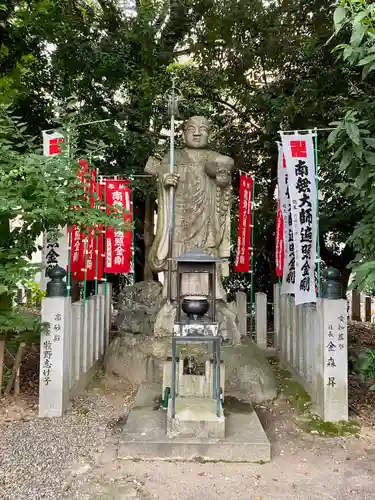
(173, 113)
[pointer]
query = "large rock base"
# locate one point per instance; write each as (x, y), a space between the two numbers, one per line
(139, 358)
(144, 436)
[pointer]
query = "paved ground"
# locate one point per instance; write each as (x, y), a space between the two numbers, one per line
(75, 458)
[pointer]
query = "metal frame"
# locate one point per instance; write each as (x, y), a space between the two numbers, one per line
(216, 341)
(199, 268)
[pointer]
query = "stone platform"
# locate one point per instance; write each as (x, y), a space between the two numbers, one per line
(145, 434)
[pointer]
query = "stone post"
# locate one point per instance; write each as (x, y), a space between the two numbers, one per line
(332, 359)
(55, 253)
(241, 303)
(261, 319)
(54, 376)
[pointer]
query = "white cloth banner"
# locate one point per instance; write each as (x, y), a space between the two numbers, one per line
(298, 151)
(288, 283)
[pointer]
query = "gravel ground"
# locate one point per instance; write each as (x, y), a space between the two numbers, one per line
(43, 458)
(75, 458)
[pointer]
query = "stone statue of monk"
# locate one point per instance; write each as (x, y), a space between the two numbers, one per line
(201, 216)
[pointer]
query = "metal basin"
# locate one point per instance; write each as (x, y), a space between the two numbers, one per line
(195, 305)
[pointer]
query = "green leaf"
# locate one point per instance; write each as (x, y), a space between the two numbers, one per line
(353, 132)
(372, 387)
(369, 157)
(370, 141)
(338, 17)
(366, 60)
(367, 69)
(363, 177)
(346, 159)
(358, 33)
(333, 136)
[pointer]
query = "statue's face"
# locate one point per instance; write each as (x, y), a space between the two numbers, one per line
(196, 133)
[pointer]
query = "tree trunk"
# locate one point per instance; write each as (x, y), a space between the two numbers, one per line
(148, 233)
(16, 367)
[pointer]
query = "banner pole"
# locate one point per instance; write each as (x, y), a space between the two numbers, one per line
(172, 112)
(318, 264)
(133, 223)
(252, 258)
(104, 238)
(68, 278)
(85, 273)
(96, 237)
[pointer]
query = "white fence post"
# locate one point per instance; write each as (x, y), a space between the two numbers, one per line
(241, 303)
(276, 315)
(261, 319)
(54, 377)
(77, 338)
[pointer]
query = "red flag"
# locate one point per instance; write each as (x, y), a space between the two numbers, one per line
(244, 225)
(279, 242)
(118, 252)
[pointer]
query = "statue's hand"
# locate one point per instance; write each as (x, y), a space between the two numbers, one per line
(170, 180)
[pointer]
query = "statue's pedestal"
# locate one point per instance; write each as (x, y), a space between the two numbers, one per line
(144, 436)
(195, 417)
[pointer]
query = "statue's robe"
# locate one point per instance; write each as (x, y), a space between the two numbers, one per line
(198, 217)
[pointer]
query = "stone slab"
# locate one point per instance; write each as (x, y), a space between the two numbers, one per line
(195, 417)
(144, 435)
(193, 385)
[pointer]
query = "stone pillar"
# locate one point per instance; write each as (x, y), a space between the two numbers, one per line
(261, 319)
(55, 253)
(241, 303)
(332, 360)
(54, 378)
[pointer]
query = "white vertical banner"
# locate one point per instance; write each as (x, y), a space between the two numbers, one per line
(288, 282)
(52, 142)
(298, 150)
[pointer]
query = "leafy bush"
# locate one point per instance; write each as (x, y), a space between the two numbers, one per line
(35, 295)
(365, 366)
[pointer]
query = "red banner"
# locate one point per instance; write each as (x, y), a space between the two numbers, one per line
(279, 242)
(77, 257)
(118, 254)
(244, 225)
(100, 234)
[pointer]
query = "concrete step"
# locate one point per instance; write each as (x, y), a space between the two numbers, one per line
(144, 436)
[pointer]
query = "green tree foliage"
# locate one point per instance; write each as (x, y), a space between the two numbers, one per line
(353, 137)
(42, 194)
(255, 67)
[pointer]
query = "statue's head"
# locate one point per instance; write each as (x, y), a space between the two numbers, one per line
(196, 132)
